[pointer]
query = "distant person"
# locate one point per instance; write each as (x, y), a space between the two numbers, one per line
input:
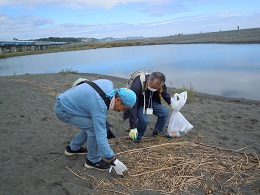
(83, 107)
(149, 96)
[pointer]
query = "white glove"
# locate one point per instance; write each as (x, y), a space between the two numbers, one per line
(133, 134)
(119, 167)
(172, 103)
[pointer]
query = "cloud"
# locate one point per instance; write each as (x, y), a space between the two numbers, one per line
(30, 27)
(23, 20)
(161, 8)
(76, 4)
(25, 25)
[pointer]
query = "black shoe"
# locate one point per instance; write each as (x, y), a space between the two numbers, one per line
(69, 152)
(138, 140)
(168, 136)
(101, 165)
(156, 133)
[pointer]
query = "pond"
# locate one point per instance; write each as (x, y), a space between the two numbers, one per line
(231, 70)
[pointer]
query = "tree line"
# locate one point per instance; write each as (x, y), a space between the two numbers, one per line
(60, 39)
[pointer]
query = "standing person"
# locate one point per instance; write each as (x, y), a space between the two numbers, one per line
(83, 107)
(148, 102)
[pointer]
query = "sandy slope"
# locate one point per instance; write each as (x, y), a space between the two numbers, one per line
(33, 140)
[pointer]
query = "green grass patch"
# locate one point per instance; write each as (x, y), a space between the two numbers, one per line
(68, 71)
(190, 92)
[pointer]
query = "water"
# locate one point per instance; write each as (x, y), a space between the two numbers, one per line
(230, 70)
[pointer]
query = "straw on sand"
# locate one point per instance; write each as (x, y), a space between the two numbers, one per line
(168, 167)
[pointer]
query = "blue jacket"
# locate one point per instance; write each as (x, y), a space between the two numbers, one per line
(137, 88)
(83, 100)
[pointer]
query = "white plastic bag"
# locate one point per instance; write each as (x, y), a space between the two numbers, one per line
(178, 100)
(178, 125)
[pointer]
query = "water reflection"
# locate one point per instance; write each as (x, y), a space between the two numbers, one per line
(221, 69)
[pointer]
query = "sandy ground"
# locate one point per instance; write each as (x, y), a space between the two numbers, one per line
(32, 139)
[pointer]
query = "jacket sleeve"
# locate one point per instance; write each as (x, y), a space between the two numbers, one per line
(99, 115)
(137, 88)
(165, 94)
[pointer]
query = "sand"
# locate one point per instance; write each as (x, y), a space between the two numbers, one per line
(33, 139)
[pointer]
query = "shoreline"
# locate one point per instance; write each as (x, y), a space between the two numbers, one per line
(244, 36)
(124, 80)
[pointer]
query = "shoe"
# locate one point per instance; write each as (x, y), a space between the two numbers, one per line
(168, 136)
(156, 133)
(69, 152)
(101, 165)
(138, 140)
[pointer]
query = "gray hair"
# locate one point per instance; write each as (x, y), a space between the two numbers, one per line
(158, 75)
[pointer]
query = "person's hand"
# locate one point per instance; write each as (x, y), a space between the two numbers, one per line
(172, 103)
(118, 166)
(133, 134)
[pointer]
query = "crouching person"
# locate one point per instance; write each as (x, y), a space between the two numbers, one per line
(84, 107)
(149, 93)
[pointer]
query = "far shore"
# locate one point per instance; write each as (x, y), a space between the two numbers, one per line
(244, 36)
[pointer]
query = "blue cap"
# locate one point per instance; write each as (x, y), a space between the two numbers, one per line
(127, 96)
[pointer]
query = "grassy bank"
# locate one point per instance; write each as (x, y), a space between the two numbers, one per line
(246, 36)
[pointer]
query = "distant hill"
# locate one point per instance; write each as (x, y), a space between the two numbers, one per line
(234, 36)
(119, 39)
(245, 36)
(60, 39)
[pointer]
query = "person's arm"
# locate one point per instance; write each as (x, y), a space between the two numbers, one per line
(99, 115)
(166, 95)
(137, 88)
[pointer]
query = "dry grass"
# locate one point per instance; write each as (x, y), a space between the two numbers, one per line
(170, 167)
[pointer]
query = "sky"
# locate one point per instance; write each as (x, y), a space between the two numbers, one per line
(33, 19)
